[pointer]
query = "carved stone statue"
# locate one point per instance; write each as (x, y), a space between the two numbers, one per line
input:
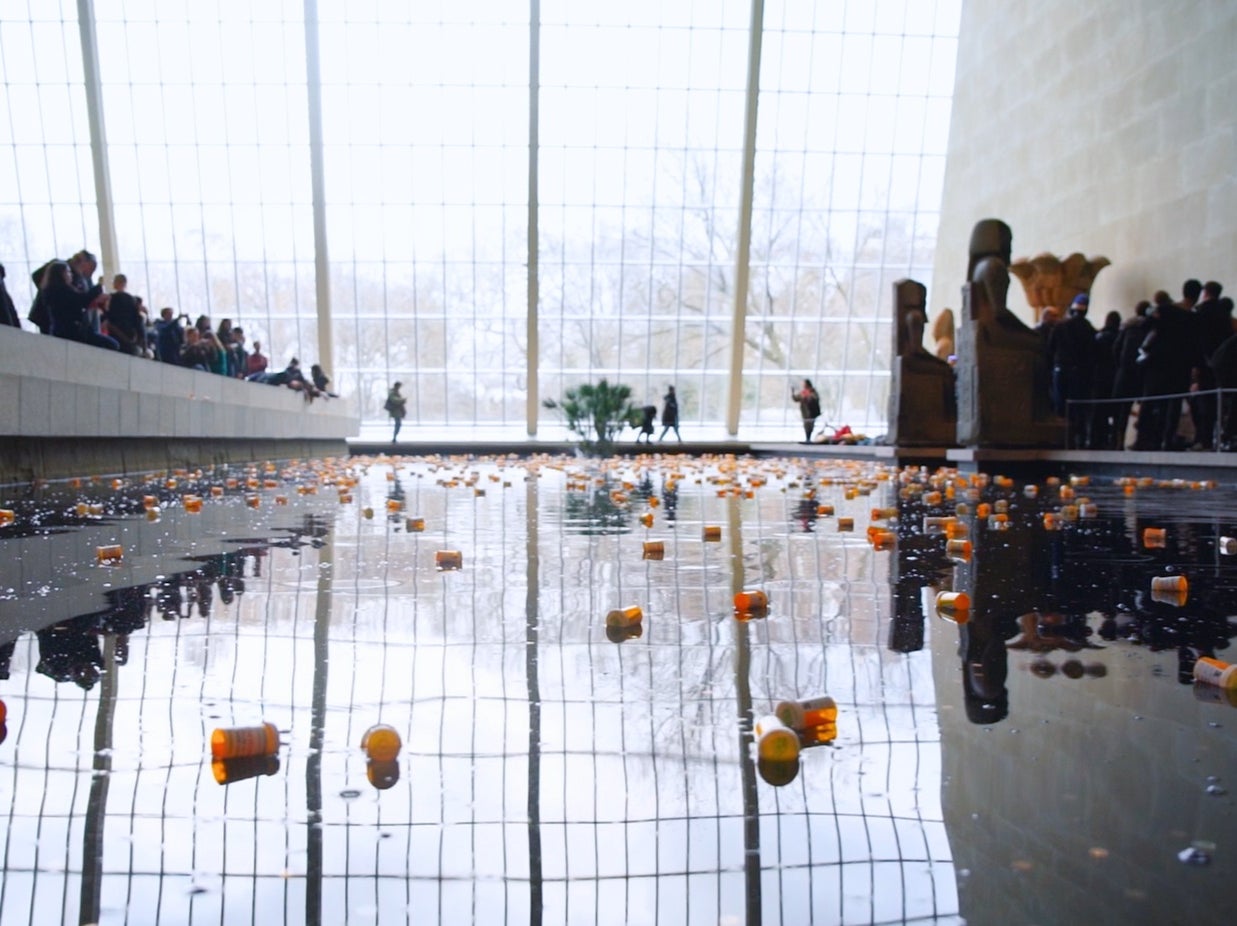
(1050, 282)
(1002, 369)
(989, 238)
(922, 408)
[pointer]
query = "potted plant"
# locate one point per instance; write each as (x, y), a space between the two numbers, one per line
(596, 413)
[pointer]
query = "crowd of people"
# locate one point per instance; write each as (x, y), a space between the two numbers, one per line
(1169, 357)
(1169, 350)
(69, 304)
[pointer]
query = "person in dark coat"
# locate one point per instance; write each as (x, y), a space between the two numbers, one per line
(66, 307)
(670, 414)
(1128, 379)
(808, 400)
(1071, 347)
(81, 268)
(124, 323)
(8, 311)
(169, 336)
(1168, 355)
(1103, 418)
(1213, 325)
(396, 406)
(321, 381)
(1223, 365)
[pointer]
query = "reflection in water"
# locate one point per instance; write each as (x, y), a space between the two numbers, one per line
(593, 509)
(230, 771)
(1040, 591)
(96, 804)
(1059, 668)
(382, 773)
(744, 725)
(547, 774)
(317, 732)
(532, 623)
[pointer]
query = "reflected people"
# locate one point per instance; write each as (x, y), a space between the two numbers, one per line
(806, 514)
(670, 498)
(69, 652)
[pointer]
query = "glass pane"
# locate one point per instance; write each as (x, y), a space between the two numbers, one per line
(426, 185)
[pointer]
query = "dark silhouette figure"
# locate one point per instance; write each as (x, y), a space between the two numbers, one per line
(808, 400)
(670, 414)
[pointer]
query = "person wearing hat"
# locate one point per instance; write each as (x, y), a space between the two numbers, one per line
(1071, 350)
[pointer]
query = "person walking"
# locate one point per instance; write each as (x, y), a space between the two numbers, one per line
(670, 414)
(809, 407)
(395, 406)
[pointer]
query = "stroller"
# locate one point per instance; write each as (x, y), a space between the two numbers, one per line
(648, 414)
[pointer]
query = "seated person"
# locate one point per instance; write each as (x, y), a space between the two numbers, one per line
(218, 354)
(124, 322)
(291, 376)
(321, 381)
(238, 357)
(169, 336)
(197, 354)
(66, 307)
(256, 361)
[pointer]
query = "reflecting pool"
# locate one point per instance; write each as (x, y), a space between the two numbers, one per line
(568, 711)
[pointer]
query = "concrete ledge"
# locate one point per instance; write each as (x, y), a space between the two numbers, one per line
(1187, 464)
(25, 460)
(627, 448)
(69, 409)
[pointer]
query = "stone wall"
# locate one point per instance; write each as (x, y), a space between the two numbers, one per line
(1104, 127)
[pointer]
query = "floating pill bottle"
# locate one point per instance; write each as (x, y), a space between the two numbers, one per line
(240, 742)
(381, 742)
(751, 600)
(814, 712)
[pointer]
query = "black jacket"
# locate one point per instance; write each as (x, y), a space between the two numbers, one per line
(66, 307)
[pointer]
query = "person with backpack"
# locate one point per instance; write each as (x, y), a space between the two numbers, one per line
(395, 406)
(808, 400)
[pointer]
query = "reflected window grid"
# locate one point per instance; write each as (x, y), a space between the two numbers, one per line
(445, 658)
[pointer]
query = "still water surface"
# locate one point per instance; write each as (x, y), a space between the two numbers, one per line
(1044, 759)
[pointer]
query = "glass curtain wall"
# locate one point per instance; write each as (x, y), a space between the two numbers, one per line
(425, 112)
(425, 127)
(207, 142)
(47, 190)
(850, 159)
(641, 152)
